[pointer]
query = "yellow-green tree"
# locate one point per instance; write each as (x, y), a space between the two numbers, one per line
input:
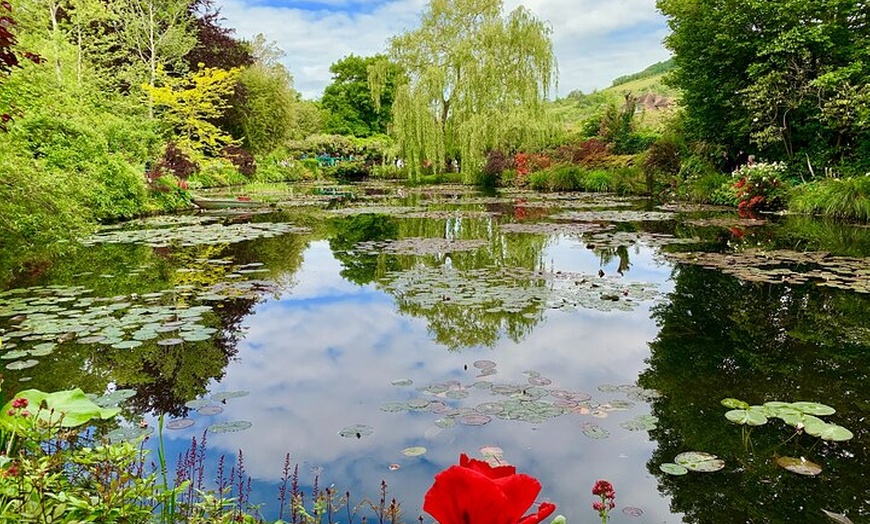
(188, 105)
(474, 80)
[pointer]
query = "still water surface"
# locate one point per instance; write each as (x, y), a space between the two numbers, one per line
(543, 343)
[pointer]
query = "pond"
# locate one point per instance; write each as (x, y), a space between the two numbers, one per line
(371, 334)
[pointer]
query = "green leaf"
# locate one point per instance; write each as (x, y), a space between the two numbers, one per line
(748, 417)
(734, 403)
(801, 466)
(673, 469)
(813, 408)
(68, 409)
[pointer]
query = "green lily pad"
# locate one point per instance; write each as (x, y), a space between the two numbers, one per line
(21, 364)
(748, 417)
(673, 469)
(402, 382)
(414, 451)
(394, 407)
(356, 431)
(170, 342)
(210, 410)
(475, 419)
(125, 434)
(801, 466)
(222, 396)
(15, 354)
(127, 344)
(830, 432)
(594, 431)
(641, 423)
(837, 517)
(813, 408)
(445, 422)
(734, 403)
(229, 427)
(180, 423)
(110, 400)
(197, 403)
(699, 461)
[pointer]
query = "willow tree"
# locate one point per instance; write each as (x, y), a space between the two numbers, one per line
(474, 80)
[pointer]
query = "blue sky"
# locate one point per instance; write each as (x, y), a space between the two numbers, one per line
(595, 40)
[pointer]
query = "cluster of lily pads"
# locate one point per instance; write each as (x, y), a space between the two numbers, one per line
(515, 290)
(698, 461)
(800, 415)
(418, 246)
(785, 266)
(622, 215)
(202, 233)
(532, 401)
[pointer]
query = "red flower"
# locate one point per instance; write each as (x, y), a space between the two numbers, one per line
(19, 403)
(476, 493)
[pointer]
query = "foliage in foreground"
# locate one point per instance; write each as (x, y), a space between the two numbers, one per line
(835, 197)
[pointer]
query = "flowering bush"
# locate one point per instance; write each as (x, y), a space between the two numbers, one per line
(475, 492)
(760, 187)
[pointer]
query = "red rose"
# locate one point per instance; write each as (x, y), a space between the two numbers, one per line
(475, 492)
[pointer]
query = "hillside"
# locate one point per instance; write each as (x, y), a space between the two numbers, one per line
(656, 100)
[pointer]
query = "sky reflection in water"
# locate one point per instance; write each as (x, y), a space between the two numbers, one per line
(323, 356)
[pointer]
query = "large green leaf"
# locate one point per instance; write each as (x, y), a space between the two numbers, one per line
(69, 408)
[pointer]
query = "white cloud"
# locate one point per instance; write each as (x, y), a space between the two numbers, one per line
(595, 40)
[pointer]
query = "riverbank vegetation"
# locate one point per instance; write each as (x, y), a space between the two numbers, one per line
(102, 122)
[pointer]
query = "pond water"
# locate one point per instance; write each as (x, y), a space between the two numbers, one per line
(375, 333)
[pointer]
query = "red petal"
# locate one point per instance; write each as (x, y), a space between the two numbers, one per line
(520, 491)
(544, 510)
(461, 495)
(485, 468)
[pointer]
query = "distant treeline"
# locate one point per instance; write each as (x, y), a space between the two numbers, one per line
(653, 70)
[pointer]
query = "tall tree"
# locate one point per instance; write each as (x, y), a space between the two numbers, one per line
(474, 81)
(158, 33)
(349, 101)
(789, 76)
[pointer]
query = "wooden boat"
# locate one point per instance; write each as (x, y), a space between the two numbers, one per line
(225, 203)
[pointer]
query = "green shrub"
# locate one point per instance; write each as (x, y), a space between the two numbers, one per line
(389, 171)
(539, 181)
(760, 187)
(835, 197)
(348, 170)
(216, 172)
(628, 181)
(597, 180)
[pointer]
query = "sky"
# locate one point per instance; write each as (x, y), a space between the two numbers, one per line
(595, 41)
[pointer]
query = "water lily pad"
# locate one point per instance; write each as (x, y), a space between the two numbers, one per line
(673, 469)
(445, 422)
(110, 400)
(210, 410)
(394, 407)
(131, 433)
(180, 423)
(356, 431)
(197, 403)
(228, 427)
(15, 354)
(402, 382)
(484, 364)
(170, 341)
(414, 451)
(801, 466)
(222, 396)
(830, 432)
(748, 417)
(734, 403)
(21, 364)
(813, 408)
(641, 423)
(475, 419)
(699, 461)
(594, 431)
(127, 344)
(837, 517)
(632, 511)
